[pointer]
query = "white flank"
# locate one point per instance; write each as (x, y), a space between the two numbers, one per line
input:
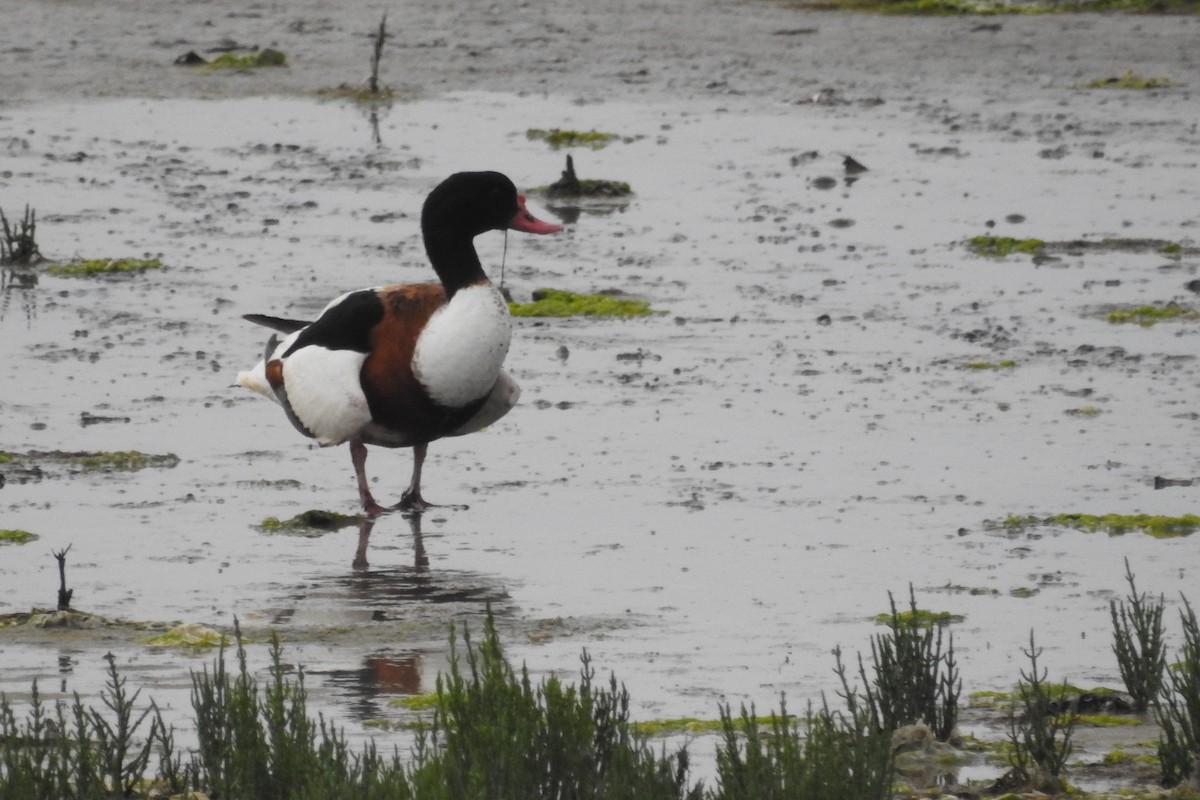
(325, 392)
(323, 388)
(459, 353)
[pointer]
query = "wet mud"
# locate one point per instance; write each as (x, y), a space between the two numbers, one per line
(709, 498)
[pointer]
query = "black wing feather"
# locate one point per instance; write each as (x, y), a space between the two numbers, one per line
(345, 326)
(277, 323)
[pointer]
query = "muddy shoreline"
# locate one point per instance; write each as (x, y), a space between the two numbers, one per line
(62, 51)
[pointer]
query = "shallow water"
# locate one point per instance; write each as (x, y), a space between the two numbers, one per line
(710, 499)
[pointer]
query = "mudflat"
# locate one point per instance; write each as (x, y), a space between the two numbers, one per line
(839, 394)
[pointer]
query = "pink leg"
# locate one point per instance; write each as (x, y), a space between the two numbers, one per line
(358, 454)
(411, 500)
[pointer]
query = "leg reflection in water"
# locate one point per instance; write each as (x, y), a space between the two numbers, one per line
(366, 524)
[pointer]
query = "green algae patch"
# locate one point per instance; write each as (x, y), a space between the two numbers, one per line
(74, 620)
(570, 185)
(190, 637)
(692, 726)
(1121, 757)
(361, 94)
(1107, 720)
(14, 536)
(560, 303)
(104, 266)
(558, 138)
(93, 461)
(262, 58)
(919, 618)
(588, 187)
(122, 461)
(416, 702)
(310, 523)
(1131, 80)
(1058, 692)
(1160, 527)
(990, 699)
(1086, 412)
(1149, 315)
(1002, 246)
(982, 365)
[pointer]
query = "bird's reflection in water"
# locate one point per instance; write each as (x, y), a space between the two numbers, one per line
(366, 524)
(382, 676)
(22, 282)
(409, 592)
(410, 604)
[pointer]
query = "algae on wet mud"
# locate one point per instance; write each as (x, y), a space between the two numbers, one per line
(1131, 80)
(361, 94)
(1007, 363)
(588, 187)
(1001, 246)
(190, 637)
(1149, 315)
(570, 185)
(561, 303)
(16, 536)
(92, 461)
(1160, 527)
(416, 702)
(558, 138)
(266, 57)
(693, 726)
(310, 523)
(104, 266)
(918, 618)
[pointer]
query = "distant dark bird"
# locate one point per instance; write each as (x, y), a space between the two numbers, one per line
(852, 166)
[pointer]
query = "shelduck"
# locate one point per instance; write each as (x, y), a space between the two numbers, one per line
(405, 365)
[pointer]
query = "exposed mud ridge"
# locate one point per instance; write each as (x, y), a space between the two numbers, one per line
(835, 395)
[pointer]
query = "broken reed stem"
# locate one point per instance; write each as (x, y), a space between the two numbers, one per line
(380, 36)
(64, 594)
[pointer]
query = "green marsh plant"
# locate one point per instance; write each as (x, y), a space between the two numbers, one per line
(74, 751)
(494, 734)
(18, 245)
(1178, 712)
(122, 757)
(1039, 726)
(834, 755)
(1138, 644)
(915, 674)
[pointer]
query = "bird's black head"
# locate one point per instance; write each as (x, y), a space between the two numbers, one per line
(470, 203)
